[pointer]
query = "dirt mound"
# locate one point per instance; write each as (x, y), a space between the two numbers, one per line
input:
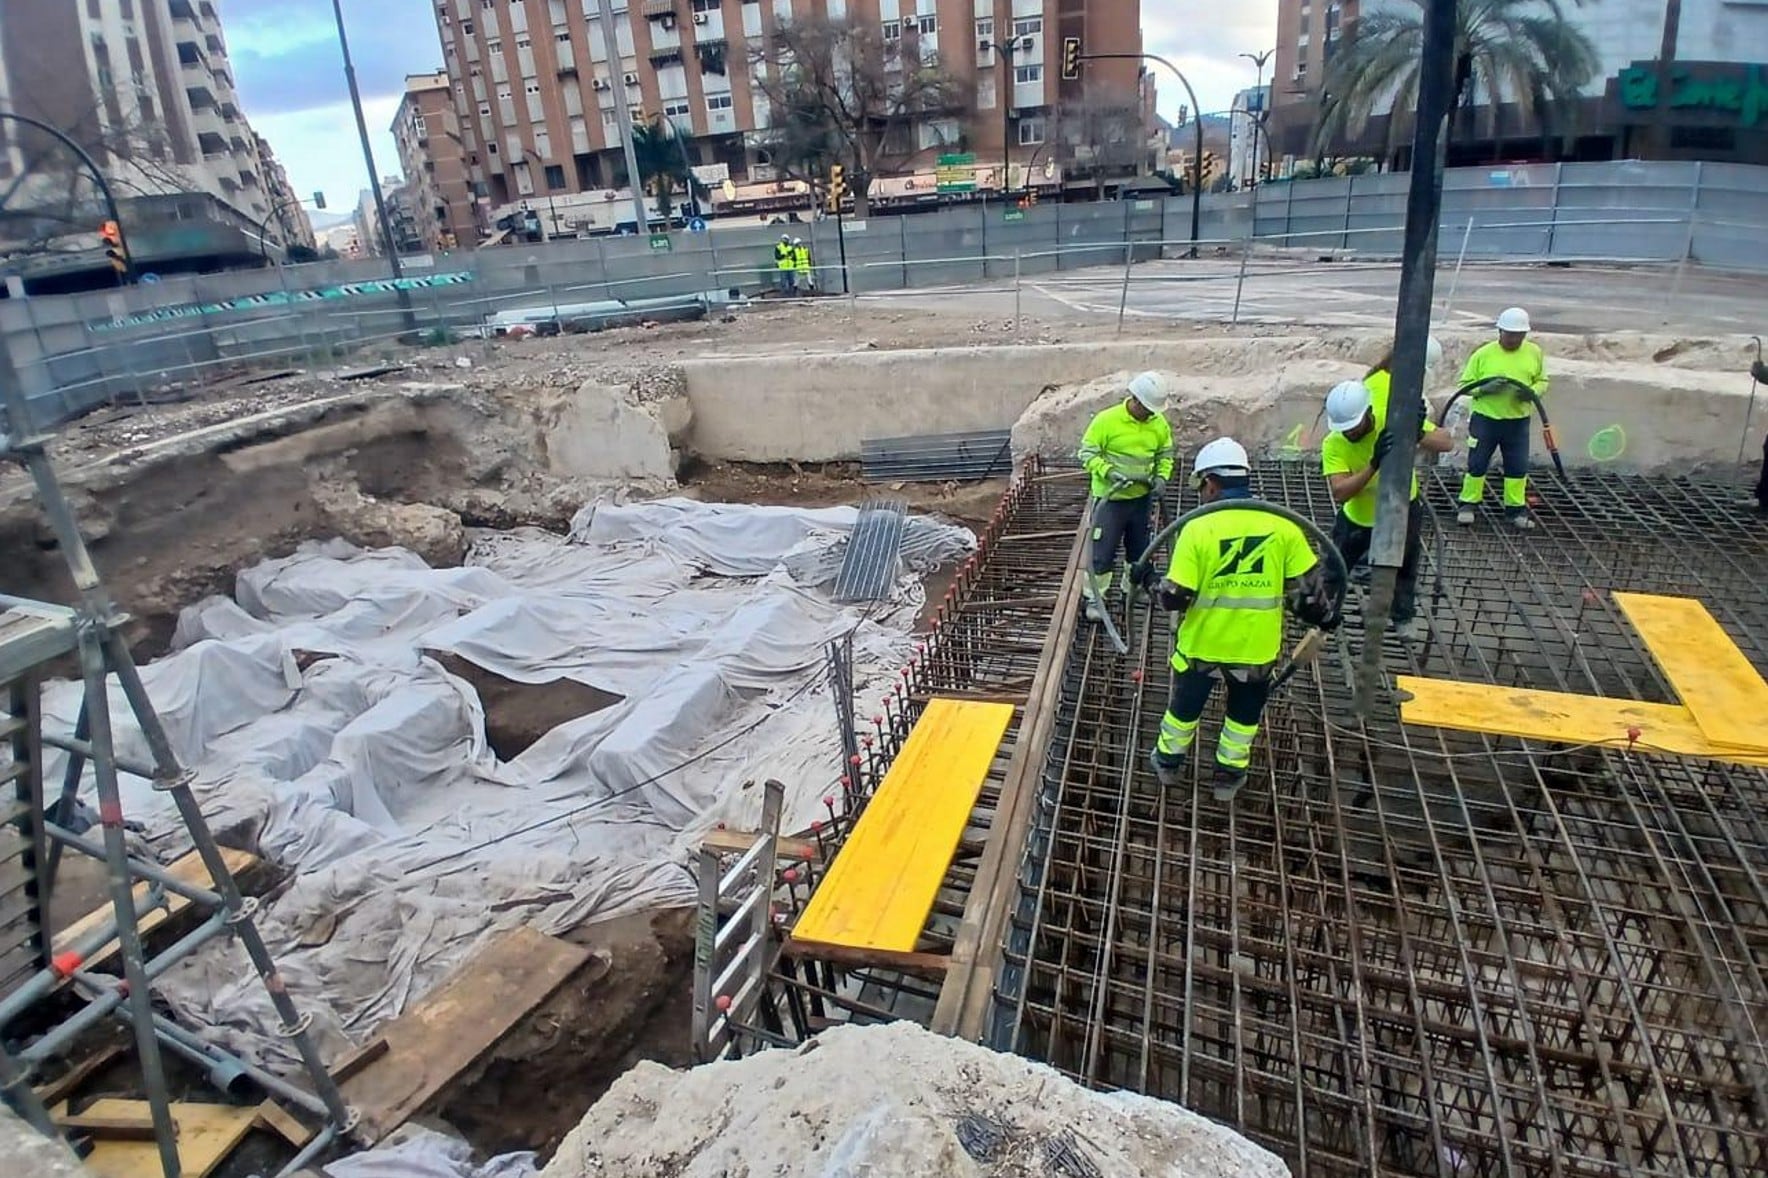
(888, 1101)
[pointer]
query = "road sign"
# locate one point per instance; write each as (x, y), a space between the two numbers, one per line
(955, 172)
(1014, 215)
(696, 225)
(660, 241)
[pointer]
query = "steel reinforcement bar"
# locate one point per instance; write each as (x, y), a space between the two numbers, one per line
(1406, 950)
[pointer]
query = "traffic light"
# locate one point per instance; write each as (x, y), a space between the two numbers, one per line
(1070, 58)
(837, 187)
(1031, 198)
(112, 235)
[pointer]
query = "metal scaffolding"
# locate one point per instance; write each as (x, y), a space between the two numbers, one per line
(1412, 951)
(34, 638)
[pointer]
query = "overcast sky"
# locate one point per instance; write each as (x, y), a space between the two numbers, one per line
(291, 78)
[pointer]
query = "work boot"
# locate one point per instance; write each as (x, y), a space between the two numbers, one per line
(1168, 767)
(1412, 630)
(1522, 521)
(1465, 514)
(1228, 782)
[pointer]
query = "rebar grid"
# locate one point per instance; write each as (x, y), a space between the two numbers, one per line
(1411, 951)
(984, 641)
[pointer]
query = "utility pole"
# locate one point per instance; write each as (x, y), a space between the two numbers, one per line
(1411, 335)
(623, 117)
(374, 176)
(1197, 111)
(552, 211)
(1006, 50)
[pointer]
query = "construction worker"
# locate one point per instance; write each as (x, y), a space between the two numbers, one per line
(1517, 373)
(786, 263)
(1128, 451)
(1351, 458)
(1230, 574)
(801, 261)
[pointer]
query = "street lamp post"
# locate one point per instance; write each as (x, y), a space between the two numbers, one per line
(1264, 111)
(286, 202)
(1007, 50)
(374, 177)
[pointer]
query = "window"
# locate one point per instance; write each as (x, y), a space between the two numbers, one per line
(928, 23)
(717, 102)
(1030, 131)
(892, 31)
(706, 5)
(985, 29)
(1029, 27)
(494, 46)
(608, 118)
(491, 148)
(466, 26)
(524, 43)
(555, 177)
(488, 5)
(563, 36)
(1306, 18)
(1028, 73)
(504, 93)
(678, 107)
(533, 87)
(1301, 70)
(485, 110)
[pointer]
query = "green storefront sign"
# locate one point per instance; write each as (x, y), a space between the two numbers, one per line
(1013, 215)
(660, 241)
(1721, 88)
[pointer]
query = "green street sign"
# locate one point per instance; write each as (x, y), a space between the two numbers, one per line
(660, 241)
(955, 172)
(1723, 88)
(1013, 215)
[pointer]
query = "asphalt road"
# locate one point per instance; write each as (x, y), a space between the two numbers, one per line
(1577, 298)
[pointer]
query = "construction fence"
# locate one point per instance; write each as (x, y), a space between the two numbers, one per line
(70, 353)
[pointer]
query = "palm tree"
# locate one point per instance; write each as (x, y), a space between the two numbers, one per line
(1519, 51)
(662, 163)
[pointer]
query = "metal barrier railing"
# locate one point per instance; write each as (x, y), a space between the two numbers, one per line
(135, 364)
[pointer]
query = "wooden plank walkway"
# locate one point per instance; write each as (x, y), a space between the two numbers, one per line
(881, 887)
(1712, 677)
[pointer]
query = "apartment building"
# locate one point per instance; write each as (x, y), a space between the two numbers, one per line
(537, 93)
(289, 221)
(1309, 32)
(432, 154)
(146, 86)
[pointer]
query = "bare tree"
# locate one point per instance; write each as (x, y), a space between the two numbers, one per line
(1102, 136)
(839, 92)
(53, 205)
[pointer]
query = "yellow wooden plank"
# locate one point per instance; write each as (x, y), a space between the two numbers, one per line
(188, 868)
(207, 1133)
(1664, 729)
(1713, 678)
(882, 884)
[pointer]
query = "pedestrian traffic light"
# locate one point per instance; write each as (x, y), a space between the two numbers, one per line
(837, 187)
(1070, 58)
(111, 234)
(1031, 198)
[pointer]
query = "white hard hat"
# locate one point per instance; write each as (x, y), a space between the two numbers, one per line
(1514, 319)
(1346, 405)
(1433, 354)
(797, 241)
(1222, 456)
(1150, 389)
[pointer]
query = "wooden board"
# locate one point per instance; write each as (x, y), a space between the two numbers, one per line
(278, 1120)
(207, 1133)
(1664, 729)
(188, 868)
(882, 885)
(1712, 677)
(456, 1024)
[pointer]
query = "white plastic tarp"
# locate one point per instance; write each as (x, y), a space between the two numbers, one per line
(324, 734)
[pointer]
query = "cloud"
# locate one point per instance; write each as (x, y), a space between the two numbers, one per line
(285, 52)
(1204, 38)
(319, 148)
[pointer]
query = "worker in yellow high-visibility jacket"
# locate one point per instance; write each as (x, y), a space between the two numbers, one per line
(801, 260)
(1233, 574)
(1514, 373)
(1128, 451)
(786, 263)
